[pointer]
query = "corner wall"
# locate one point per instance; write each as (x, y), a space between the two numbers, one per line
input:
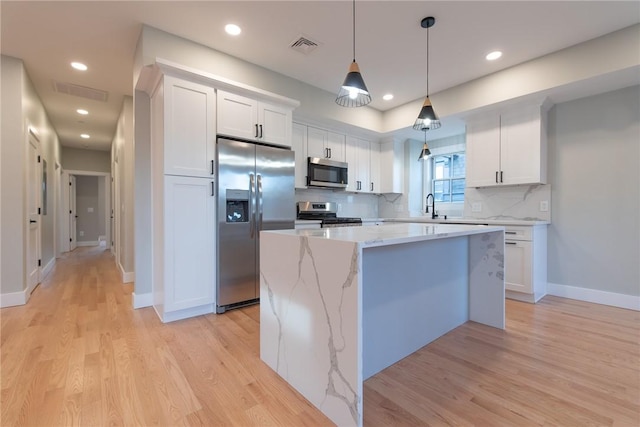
(594, 164)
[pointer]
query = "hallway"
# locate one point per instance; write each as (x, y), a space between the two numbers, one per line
(78, 354)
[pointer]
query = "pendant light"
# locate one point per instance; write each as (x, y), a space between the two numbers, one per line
(427, 119)
(425, 148)
(353, 92)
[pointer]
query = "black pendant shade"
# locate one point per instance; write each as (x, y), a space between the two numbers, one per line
(353, 92)
(427, 119)
(425, 148)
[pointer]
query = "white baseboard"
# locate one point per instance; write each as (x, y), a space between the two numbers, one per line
(88, 243)
(629, 302)
(47, 268)
(127, 276)
(12, 299)
(142, 300)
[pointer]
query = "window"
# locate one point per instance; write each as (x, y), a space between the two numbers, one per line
(447, 183)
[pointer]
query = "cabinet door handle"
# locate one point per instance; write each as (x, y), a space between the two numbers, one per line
(257, 132)
(372, 186)
(213, 170)
(496, 177)
(501, 177)
(326, 153)
(510, 243)
(260, 131)
(329, 152)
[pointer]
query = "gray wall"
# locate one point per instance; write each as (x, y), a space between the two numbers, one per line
(594, 164)
(22, 108)
(89, 207)
(76, 159)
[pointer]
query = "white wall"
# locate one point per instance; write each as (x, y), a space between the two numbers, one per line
(594, 164)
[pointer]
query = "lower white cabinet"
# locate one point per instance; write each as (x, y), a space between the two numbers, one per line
(187, 285)
(526, 262)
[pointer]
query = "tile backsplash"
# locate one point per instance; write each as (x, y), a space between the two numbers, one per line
(349, 204)
(520, 202)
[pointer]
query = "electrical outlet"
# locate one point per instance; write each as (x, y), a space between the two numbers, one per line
(81, 233)
(544, 206)
(476, 207)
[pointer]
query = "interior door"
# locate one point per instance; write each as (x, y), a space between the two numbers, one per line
(73, 214)
(33, 211)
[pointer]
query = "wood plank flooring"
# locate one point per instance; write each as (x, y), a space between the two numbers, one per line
(78, 354)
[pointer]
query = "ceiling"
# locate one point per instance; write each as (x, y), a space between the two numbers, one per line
(390, 44)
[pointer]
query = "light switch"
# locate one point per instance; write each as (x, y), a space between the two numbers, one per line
(81, 233)
(89, 210)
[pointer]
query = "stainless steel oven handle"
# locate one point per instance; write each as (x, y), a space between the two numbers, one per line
(252, 202)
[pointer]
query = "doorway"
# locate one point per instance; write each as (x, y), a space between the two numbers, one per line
(87, 205)
(34, 206)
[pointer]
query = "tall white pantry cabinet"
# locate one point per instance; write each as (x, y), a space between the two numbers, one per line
(183, 120)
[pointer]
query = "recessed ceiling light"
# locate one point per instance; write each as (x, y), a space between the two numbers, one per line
(492, 56)
(388, 97)
(81, 111)
(79, 66)
(85, 136)
(232, 29)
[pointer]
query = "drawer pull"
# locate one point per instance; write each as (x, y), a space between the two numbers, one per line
(510, 243)
(510, 232)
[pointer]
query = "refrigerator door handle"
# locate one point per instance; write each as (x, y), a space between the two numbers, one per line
(259, 197)
(252, 202)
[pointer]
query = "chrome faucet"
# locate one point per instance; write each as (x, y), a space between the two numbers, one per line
(433, 206)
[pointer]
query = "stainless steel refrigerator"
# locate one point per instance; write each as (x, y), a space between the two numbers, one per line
(255, 192)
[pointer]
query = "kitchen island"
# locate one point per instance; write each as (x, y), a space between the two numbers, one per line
(339, 305)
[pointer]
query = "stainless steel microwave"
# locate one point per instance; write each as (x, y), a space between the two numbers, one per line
(326, 173)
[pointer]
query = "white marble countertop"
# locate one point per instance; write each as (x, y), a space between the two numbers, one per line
(308, 221)
(391, 234)
(466, 221)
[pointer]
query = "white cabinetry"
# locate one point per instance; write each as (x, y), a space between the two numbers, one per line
(299, 147)
(182, 151)
(189, 246)
(526, 262)
(391, 167)
(253, 120)
(364, 172)
(325, 144)
(507, 148)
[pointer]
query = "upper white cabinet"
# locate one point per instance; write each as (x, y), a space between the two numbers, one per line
(325, 144)
(507, 148)
(361, 160)
(253, 120)
(189, 128)
(391, 167)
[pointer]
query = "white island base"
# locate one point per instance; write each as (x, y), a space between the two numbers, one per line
(338, 305)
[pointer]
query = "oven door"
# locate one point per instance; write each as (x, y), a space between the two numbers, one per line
(326, 173)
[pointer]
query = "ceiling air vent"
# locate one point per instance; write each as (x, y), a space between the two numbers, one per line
(304, 44)
(81, 91)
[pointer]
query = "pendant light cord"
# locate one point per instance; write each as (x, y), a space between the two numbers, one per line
(427, 66)
(354, 30)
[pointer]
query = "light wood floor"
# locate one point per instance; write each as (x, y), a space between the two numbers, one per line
(78, 354)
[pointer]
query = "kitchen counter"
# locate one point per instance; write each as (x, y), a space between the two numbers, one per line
(473, 221)
(341, 304)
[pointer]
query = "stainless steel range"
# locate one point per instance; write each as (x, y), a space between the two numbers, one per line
(325, 212)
